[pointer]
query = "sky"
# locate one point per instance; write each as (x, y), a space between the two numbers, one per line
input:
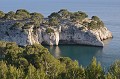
(47, 6)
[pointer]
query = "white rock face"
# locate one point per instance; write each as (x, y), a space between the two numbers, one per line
(103, 33)
(51, 38)
(32, 37)
(21, 37)
(67, 33)
(76, 36)
(87, 38)
(12, 35)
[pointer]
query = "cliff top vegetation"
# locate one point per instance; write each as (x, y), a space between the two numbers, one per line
(24, 17)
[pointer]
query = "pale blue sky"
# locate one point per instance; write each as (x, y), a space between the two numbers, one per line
(47, 6)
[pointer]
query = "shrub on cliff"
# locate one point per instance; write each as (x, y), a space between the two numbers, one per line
(54, 15)
(2, 14)
(28, 25)
(53, 21)
(22, 14)
(78, 16)
(95, 25)
(2, 44)
(95, 18)
(64, 13)
(17, 25)
(49, 30)
(92, 25)
(10, 15)
(36, 18)
(100, 24)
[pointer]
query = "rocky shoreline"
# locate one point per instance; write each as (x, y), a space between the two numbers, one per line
(66, 32)
(69, 34)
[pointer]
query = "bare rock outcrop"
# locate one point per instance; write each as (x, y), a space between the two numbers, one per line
(71, 34)
(51, 38)
(66, 33)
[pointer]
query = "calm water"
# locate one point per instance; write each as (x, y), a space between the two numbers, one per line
(107, 10)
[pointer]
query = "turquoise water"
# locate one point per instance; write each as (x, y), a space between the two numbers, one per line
(83, 54)
(107, 10)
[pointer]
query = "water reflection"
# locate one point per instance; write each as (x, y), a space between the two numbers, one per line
(55, 50)
(107, 41)
(83, 54)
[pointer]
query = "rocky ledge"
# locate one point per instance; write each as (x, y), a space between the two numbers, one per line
(66, 31)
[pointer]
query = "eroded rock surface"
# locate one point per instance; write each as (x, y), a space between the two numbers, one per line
(67, 32)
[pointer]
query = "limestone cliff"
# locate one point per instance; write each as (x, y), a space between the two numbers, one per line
(66, 32)
(72, 34)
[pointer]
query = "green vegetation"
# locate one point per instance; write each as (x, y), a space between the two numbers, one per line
(17, 25)
(36, 62)
(49, 30)
(95, 24)
(23, 18)
(114, 71)
(53, 22)
(78, 16)
(100, 24)
(36, 18)
(2, 14)
(94, 70)
(95, 18)
(54, 15)
(65, 14)
(10, 15)
(92, 25)
(54, 19)
(21, 25)
(28, 25)
(22, 14)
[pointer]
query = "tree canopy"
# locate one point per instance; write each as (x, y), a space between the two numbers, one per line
(36, 62)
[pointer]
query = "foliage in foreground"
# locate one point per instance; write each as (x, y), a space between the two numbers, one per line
(35, 62)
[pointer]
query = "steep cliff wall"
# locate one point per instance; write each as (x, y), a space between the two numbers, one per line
(67, 32)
